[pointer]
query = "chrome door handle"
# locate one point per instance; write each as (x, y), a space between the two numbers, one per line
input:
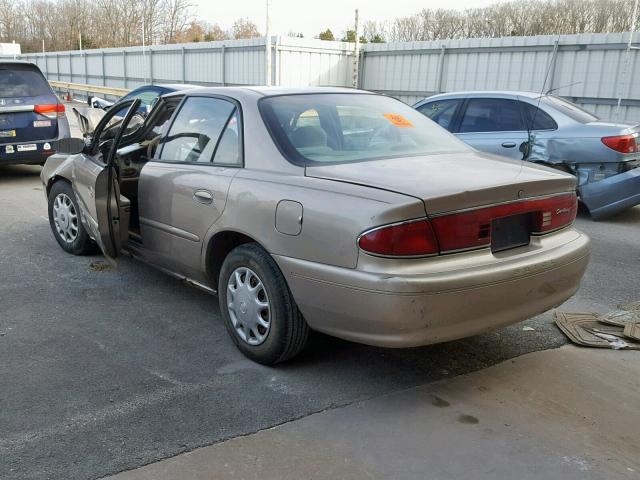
(203, 196)
(508, 144)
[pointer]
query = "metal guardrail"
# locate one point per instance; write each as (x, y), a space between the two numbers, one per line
(81, 87)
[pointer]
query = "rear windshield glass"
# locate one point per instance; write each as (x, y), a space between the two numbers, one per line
(350, 127)
(570, 109)
(22, 81)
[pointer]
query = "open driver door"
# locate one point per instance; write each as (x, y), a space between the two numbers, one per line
(105, 213)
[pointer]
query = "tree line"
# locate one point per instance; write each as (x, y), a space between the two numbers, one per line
(516, 18)
(64, 24)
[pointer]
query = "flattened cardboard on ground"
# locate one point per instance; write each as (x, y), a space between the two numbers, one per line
(632, 330)
(621, 317)
(585, 329)
(630, 307)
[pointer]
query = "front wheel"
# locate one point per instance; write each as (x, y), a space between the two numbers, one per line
(65, 222)
(258, 309)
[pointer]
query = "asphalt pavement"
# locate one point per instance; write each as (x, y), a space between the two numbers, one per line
(104, 369)
(562, 414)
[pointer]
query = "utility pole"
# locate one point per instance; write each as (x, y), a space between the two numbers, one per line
(627, 60)
(356, 54)
(43, 45)
(80, 39)
(144, 57)
(267, 51)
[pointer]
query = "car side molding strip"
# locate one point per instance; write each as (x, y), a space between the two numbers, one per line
(178, 232)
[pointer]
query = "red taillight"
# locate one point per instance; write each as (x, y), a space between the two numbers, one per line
(53, 110)
(472, 229)
(467, 230)
(413, 238)
(622, 143)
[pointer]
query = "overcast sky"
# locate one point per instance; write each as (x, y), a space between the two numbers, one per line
(312, 16)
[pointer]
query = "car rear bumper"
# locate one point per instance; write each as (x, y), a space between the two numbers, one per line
(405, 310)
(10, 153)
(612, 195)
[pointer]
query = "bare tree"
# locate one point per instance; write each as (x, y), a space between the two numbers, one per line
(375, 32)
(214, 32)
(177, 16)
(520, 17)
(245, 28)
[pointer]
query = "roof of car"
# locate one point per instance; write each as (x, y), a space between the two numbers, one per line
(272, 91)
(266, 91)
(19, 62)
(177, 86)
(485, 93)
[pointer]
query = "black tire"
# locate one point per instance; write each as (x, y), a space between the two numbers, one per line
(82, 244)
(288, 331)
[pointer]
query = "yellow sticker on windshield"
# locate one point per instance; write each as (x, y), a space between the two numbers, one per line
(398, 120)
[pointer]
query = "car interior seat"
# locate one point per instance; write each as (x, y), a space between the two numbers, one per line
(309, 136)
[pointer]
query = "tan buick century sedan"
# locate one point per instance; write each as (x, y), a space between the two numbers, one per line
(329, 209)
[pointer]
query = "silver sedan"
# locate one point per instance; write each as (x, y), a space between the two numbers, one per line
(550, 130)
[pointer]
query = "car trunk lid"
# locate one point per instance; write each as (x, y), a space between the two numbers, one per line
(614, 127)
(450, 182)
(20, 123)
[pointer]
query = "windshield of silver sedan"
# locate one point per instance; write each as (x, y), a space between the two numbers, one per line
(348, 127)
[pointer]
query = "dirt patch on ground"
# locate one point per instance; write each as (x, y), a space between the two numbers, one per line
(99, 266)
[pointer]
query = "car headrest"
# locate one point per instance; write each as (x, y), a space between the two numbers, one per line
(303, 137)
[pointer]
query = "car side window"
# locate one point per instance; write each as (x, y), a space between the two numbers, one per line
(441, 111)
(197, 129)
(228, 149)
(537, 119)
(492, 115)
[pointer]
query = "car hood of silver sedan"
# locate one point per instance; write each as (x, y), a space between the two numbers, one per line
(447, 182)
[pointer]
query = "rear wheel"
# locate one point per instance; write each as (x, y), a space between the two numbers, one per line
(65, 222)
(258, 309)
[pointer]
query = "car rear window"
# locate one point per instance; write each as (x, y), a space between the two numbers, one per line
(537, 119)
(570, 109)
(22, 81)
(351, 127)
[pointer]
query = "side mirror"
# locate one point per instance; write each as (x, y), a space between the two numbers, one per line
(71, 146)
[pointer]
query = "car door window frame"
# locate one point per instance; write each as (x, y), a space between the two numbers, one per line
(461, 113)
(93, 147)
(237, 109)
